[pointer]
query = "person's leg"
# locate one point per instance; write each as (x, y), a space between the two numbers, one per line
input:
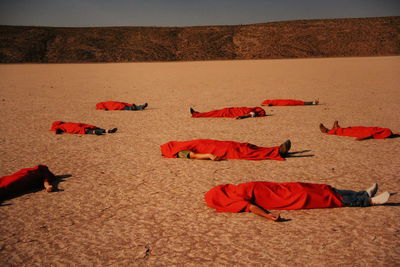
(97, 131)
(315, 102)
(142, 107)
(363, 198)
(354, 199)
(139, 107)
(127, 108)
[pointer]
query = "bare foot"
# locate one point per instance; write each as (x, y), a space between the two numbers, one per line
(316, 102)
(192, 111)
(335, 125)
(47, 185)
(323, 128)
(50, 188)
(274, 216)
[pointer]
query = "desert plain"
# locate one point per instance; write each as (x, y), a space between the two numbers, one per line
(121, 204)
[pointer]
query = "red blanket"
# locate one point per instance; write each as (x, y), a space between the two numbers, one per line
(222, 149)
(282, 102)
(71, 127)
(230, 112)
(112, 105)
(363, 132)
(24, 180)
(272, 196)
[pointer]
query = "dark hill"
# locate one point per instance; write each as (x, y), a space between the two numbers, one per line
(292, 39)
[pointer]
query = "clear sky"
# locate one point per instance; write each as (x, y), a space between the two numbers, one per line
(90, 13)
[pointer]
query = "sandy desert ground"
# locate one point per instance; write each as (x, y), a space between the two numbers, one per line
(125, 205)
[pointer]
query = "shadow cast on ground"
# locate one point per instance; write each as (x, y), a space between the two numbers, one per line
(58, 179)
(294, 154)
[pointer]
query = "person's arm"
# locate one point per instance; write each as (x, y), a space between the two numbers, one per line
(251, 114)
(243, 117)
(193, 155)
(264, 213)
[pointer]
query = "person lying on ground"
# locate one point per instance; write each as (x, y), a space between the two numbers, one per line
(25, 180)
(234, 112)
(114, 105)
(360, 132)
(219, 150)
(78, 128)
(259, 197)
(288, 102)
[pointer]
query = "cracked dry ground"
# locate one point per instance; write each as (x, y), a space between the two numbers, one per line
(122, 204)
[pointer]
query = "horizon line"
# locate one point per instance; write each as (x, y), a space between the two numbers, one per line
(192, 26)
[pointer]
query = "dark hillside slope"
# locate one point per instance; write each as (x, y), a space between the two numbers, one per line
(292, 39)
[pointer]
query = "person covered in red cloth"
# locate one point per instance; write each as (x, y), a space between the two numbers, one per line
(78, 128)
(219, 150)
(115, 105)
(288, 102)
(235, 112)
(259, 197)
(25, 180)
(360, 132)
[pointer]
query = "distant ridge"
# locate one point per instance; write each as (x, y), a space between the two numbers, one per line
(290, 39)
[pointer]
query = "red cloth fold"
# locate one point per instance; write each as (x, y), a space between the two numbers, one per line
(272, 196)
(222, 149)
(112, 105)
(24, 180)
(230, 112)
(363, 132)
(71, 127)
(282, 102)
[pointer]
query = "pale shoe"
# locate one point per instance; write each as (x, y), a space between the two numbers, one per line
(380, 199)
(372, 190)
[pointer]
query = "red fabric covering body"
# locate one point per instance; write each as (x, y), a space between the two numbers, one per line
(282, 102)
(222, 149)
(230, 112)
(71, 127)
(24, 180)
(362, 132)
(272, 196)
(112, 105)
